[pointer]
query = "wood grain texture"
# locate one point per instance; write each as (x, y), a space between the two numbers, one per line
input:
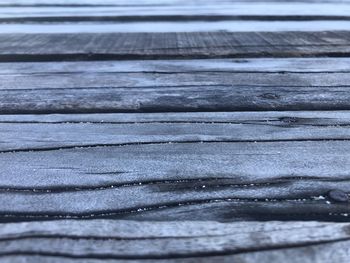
(188, 11)
(179, 181)
(200, 85)
(187, 241)
(154, 25)
(40, 132)
(22, 47)
(174, 99)
(173, 16)
(162, 174)
(248, 65)
(160, 80)
(149, 2)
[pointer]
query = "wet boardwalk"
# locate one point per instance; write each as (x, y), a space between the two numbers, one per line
(174, 131)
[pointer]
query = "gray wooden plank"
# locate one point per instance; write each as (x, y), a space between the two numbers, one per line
(218, 85)
(174, 26)
(248, 65)
(174, 99)
(178, 181)
(36, 47)
(149, 2)
(95, 240)
(259, 9)
(315, 118)
(189, 17)
(160, 80)
(39, 132)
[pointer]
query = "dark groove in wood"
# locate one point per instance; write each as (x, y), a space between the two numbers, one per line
(189, 72)
(132, 56)
(220, 183)
(214, 182)
(262, 212)
(182, 86)
(279, 121)
(95, 238)
(173, 255)
(172, 18)
(162, 142)
(118, 214)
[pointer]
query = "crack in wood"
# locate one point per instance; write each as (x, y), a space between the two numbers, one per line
(202, 184)
(134, 56)
(189, 72)
(163, 143)
(199, 181)
(4, 216)
(227, 252)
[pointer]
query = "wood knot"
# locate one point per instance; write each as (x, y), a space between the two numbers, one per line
(289, 119)
(338, 196)
(270, 96)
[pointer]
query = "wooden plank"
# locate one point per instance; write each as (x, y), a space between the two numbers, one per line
(174, 99)
(160, 80)
(173, 241)
(40, 132)
(150, 3)
(289, 118)
(238, 9)
(166, 27)
(36, 47)
(248, 65)
(179, 181)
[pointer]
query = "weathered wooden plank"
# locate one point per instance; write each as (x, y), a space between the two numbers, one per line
(26, 47)
(248, 65)
(174, 241)
(166, 27)
(238, 9)
(23, 132)
(160, 80)
(149, 2)
(290, 118)
(174, 99)
(179, 181)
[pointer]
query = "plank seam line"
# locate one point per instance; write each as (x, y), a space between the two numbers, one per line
(189, 72)
(9, 58)
(172, 18)
(283, 121)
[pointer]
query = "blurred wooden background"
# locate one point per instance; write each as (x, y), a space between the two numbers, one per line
(174, 131)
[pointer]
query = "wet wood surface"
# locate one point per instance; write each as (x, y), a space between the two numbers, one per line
(175, 131)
